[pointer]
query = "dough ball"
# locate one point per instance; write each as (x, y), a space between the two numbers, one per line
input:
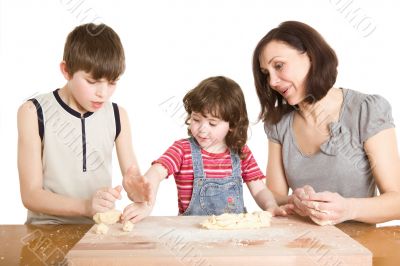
(128, 226)
(101, 229)
(109, 217)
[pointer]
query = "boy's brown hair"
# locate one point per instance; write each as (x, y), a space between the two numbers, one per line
(95, 49)
(222, 98)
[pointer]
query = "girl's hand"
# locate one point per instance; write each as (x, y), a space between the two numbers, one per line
(329, 208)
(138, 187)
(135, 212)
(104, 199)
(283, 210)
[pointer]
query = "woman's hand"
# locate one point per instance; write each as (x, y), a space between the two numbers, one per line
(329, 208)
(104, 199)
(297, 200)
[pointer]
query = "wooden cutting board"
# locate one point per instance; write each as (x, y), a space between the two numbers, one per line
(180, 240)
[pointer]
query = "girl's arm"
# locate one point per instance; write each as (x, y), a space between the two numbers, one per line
(265, 199)
(33, 196)
(146, 187)
(261, 194)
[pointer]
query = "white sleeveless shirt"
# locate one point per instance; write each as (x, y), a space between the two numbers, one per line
(76, 151)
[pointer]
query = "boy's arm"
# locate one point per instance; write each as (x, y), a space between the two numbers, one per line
(126, 156)
(33, 196)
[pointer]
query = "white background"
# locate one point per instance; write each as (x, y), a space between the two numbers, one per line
(170, 47)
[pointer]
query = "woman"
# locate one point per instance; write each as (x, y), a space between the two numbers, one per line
(331, 146)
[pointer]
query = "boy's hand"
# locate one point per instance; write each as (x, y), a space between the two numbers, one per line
(104, 199)
(135, 212)
(138, 187)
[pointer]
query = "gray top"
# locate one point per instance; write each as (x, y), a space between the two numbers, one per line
(341, 165)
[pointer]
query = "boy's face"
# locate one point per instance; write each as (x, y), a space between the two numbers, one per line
(209, 131)
(89, 94)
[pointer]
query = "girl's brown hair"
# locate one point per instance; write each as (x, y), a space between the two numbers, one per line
(95, 49)
(320, 78)
(222, 98)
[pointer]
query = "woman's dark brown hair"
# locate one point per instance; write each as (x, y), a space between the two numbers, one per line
(95, 49)
(222, 98)
(319, 80)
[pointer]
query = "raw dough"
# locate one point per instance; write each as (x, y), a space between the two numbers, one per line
(110, 217)
(128, 226)
(238, 221)
(101, 229)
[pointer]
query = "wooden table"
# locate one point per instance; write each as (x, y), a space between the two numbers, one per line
(48, 244)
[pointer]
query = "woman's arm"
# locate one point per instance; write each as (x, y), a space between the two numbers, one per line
(276, 180)
(385, 164)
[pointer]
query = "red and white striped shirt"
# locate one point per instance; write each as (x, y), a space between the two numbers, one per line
(178, 161)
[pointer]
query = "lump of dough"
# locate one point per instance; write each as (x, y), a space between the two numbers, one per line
(128, 226)
(109, 217)
(101, 229)
(238, 221)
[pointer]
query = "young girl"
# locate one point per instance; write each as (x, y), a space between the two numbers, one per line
(210, 165)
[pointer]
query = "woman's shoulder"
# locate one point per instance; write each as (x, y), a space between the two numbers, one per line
(370, 113)
(356, 99)
(276, 132)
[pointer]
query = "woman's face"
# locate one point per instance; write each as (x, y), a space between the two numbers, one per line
(286, 70)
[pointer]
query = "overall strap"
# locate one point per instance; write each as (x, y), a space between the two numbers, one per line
(236, 164)
(197, 160)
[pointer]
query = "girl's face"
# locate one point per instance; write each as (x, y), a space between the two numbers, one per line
(286, 70)
(209, 131)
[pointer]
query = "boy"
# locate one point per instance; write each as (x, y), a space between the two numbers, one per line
(66, 137)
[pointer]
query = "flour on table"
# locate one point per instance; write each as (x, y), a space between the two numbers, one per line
(238, 221)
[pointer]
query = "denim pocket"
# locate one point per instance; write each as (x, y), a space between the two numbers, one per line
(220, 198)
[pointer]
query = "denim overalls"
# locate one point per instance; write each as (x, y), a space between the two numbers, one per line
(215, 195)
